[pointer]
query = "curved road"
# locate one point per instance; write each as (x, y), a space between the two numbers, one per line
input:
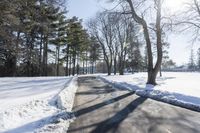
(100, 108)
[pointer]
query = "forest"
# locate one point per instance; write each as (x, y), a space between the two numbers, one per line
(38, 39)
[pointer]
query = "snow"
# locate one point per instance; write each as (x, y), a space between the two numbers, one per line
(30, 105)
(178, 88)
(65, 98)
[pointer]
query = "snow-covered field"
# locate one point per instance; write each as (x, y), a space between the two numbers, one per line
(181, 88)
(36, 104)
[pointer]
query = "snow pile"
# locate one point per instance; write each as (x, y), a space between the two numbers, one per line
(66, 97)
(31, 104)
(171, 98)
(181, 89)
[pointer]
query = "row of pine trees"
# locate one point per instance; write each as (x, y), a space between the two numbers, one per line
(36, 39)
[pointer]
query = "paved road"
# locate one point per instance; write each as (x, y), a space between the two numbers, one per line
(99, 108)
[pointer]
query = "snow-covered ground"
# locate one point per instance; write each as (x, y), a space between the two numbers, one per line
(179, 88)
(36, 104)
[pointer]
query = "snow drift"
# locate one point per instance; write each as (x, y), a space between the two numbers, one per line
(43, 105)
(180, 89)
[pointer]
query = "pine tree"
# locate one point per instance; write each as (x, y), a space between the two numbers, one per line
(25, 31)
(191, 65)
(95, 52)
(59, 39)
(77, 41)
(8, 22)
(136, 60)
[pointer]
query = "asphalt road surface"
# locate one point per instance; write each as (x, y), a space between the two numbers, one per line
(100, 108)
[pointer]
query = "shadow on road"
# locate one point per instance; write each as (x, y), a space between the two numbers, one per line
(113, 122)
(130, 114)
(97, 90)
(97, 106)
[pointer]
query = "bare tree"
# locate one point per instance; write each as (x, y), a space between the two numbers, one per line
(152, 70)
(123, 27)
(102, 27)
(188, 20)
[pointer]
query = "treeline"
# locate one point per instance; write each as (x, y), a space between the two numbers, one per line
(37, 39)
(194, 65)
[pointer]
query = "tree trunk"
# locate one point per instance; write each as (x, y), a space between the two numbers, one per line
(40, 55)
(67, 62)
(121, 68)
(70, 65)
(74, 61)
(152, 72)
(16, 55)
(115, 65)
(86, 66)
(58, 62)
(160, 72)
(45, 51)
(77, 64)
(108, 67)
(109, 70)
(92, 71)
(95, 66)
(83, 66)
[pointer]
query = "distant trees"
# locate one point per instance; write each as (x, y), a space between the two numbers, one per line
(191, 65)
(194, 60)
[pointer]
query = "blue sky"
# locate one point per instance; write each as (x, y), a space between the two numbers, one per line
(83, 8)
(180, 46)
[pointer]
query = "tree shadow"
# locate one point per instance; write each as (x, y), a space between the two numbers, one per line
(150, 123)
(97, 106)
(157, 123)
(113, 122)
(92, 100)
(97, 91)
(110, 123)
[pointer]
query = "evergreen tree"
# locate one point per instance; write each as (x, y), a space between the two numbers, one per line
(191, 65)
(59, 39)
(94, 51)
(77, 41)
(8, 24)
(25, 31)
(135, 57)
